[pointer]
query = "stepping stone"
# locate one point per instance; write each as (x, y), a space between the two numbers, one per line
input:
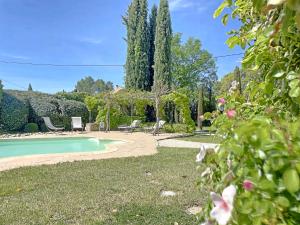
(167, 194)
(194, 210)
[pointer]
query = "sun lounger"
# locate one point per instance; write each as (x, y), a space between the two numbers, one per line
(50, 126)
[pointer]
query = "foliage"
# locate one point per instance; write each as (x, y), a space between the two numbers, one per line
(1, 91)
(176, 128)
(191, 65)
(152, 30)
(271, 31)
(75, 96)
(38, 105)
(163, 38)
(137, 62)
(261, 152)
(182, 103)
(91, 86)
(14, 112)
(31, 128)
(91, 103)
(141, 75)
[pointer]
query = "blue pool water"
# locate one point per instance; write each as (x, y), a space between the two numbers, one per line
(23, 147)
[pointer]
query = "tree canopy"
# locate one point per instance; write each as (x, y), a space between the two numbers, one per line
(91, 86)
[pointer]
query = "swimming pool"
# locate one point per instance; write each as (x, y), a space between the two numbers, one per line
(38, 146)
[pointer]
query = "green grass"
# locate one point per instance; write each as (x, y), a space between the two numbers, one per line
(202, 139)
(103, 192)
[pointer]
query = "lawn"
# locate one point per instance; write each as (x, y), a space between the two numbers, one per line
(112, 191)
(202, 139)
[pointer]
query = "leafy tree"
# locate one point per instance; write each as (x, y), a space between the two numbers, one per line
(152, 29)
(193, 69)
(1, 90)
(91, 86)
(163, 38)
(30, 87)
(86, 85)
(91, 103)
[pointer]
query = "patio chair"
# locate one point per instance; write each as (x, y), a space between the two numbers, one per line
(50, 126)
(161, 124)
(134, 125)
(76, 123)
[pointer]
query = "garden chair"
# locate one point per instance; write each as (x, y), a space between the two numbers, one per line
(134, 125)
(153, 130)
(76, 123)
(50, 126)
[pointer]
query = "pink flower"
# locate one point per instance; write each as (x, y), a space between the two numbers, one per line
(221, 101)
(248, 185)
(231, 113)
(223, 205)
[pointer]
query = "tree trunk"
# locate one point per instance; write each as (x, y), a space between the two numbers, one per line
(108, 118)
(157, 103)
(90, 116)
(200, 108)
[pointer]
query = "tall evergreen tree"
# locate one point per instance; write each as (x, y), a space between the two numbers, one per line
(142, 48)
(163, 39)
(30, 87)
(130, 20)
(137, 62)
(152, 29)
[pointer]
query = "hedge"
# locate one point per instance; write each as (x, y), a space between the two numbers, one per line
(37, 106)
(14, 112)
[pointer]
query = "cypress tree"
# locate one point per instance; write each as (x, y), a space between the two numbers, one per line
(237, 77)
(130, 21)
(30, 87)
(152, 29)
(163, 38)
(142, 48)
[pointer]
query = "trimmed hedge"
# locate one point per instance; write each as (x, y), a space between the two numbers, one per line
(31, 128)
(39, 105)
(14, 113)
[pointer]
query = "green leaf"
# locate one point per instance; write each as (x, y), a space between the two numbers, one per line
(233, 41)
(292, 75)
(220, 9)
(225, 19)
(295, 92)
(279, 74)
(283, 201)
(294, 83)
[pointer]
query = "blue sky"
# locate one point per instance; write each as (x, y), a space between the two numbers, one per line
(90, 32)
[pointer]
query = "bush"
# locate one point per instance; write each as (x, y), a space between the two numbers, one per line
(31, 128)
(14, 112)
(176, 128)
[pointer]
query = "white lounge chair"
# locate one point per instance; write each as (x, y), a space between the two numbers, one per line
(161, 124)
(134, 125)
(76, 123)
(50, 126)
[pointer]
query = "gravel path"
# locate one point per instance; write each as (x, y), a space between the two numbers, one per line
(172, 143)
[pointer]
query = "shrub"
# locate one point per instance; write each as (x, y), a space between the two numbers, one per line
(31, 128)
(176, 128)
(14, 112)
(75, 96)
(69, 108)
